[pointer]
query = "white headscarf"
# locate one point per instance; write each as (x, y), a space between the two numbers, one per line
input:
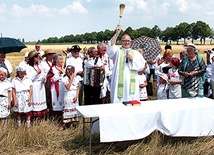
(20, 68)
(3, 70)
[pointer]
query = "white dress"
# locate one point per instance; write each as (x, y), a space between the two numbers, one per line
(137, 65)
(5, 87)
(162, 91)
(174, 90)
(39, 96)
(22, 88)
(45, 66)
(143, 91)
(57, 100)
(69, 110)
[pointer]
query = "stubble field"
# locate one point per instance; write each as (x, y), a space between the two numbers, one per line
(47, 139)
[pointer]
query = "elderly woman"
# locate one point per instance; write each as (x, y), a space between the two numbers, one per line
(192, 70)
(36, 74)
(56, 87)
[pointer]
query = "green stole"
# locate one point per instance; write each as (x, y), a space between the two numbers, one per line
(121, 75)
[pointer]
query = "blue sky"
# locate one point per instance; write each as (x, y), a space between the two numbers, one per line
(39, 19)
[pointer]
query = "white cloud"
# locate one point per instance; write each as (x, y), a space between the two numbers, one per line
(34, 9)
(182, 5)
(77, 7)
(164, 8)
(42, 10)
(190, 7)
(140, 4)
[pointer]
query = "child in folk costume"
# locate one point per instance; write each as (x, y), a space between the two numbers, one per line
(22, 95)
(174, 79)
(142, 85)
(5, 96)
(163, 87)
(70, 114)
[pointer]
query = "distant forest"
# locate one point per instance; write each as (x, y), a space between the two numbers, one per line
(184, 31)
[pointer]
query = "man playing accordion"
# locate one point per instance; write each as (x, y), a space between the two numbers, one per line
(93, 77)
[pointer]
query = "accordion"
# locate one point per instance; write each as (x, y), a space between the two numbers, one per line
(94, 77)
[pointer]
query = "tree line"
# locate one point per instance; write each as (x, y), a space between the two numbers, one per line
(185, 31)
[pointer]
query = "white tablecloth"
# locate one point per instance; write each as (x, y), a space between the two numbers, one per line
(188, 117)
(174, 117)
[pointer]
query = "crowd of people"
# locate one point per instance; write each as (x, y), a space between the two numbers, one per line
(51, 85)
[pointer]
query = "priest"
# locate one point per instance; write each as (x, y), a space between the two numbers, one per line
(127, 63)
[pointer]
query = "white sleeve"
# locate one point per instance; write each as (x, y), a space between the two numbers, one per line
(112, 51)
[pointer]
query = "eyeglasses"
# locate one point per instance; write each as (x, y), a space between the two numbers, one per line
(36, 56)
(127, 41)
(190, 50)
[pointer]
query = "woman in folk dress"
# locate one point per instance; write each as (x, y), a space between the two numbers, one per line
(5, 96)
(22, 95)
(71, 93)
(57, 87)
(38, 78)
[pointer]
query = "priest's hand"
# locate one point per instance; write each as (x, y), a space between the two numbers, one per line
(118, 29)
(130, 57)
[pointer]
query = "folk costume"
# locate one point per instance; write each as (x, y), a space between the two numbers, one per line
(39, 96)
(22, 88)
(57, 92)
(143, 91)
(69, 111)
(174, 90)
(91, 93)
(5, 88)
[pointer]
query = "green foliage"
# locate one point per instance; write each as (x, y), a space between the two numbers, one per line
(199, 30)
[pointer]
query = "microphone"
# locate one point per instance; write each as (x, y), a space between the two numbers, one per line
(127, 52)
